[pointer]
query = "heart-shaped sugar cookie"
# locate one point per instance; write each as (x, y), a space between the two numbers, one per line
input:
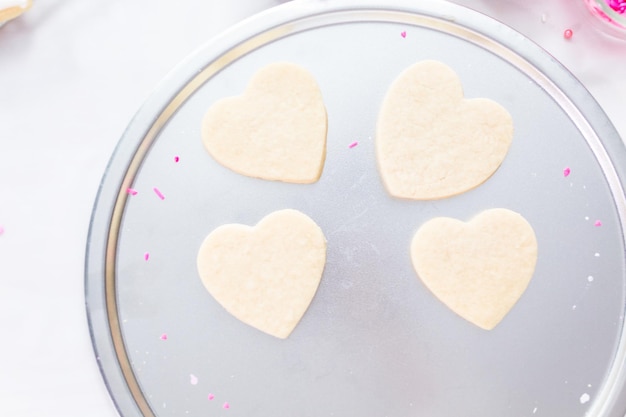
(478, 269)
(275, 131)
(266, 275)
(432, 143)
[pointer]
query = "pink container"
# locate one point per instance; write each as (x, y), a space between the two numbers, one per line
(611, 14)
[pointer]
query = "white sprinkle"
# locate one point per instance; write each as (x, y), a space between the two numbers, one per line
(544, 19)
(584, 398)
(193, 379)
(535, 410)
(586, 217)
(574, 307)
(590, 278)
(589, 385)
(597, 255)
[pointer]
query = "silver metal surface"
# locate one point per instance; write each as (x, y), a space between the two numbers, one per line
(374, 341)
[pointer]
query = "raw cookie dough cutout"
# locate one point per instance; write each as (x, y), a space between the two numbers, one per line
(275, 131)
(10, 9)
(478, 269)
(266, 275)
(431, 143)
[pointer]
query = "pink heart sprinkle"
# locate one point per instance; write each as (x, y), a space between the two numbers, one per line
(566, 172)
(146, 256)
(131, 191)
(163, 336)
(226, 406)
(210, 397)
(176, 158)
(598, 223)
(403, 34)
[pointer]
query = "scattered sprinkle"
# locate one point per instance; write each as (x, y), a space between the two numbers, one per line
(163, 336)
(587, 218)
(210, 397)
(584, 398)
(193, 379)
(146, 256)
(131, 191)
(590, 278)
(1, 230)
(176, 158)
(598, 223)
(226, 406)
(568, 33)
(597, 254)
(159, 193)
(566, 172)
(353, 144)
(535, 410)
(403, 34)
(544, 18)
(574, 307)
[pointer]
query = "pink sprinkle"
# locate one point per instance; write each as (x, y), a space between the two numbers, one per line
(403, 34)
(193, 379)
(159, 193)
(211, 396)
(353, 144)
(131, 191)
(226, 406)
(1, 230)
(163, 336)
(566, 172)
(176, 158)
(568, 33)
(598, 223)
(618, 5)
(146, 256)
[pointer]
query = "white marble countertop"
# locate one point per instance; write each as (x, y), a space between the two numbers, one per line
(72, 74)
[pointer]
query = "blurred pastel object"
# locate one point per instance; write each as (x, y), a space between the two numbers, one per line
(10, 9)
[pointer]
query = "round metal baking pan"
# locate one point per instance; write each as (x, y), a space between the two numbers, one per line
(374, 341)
